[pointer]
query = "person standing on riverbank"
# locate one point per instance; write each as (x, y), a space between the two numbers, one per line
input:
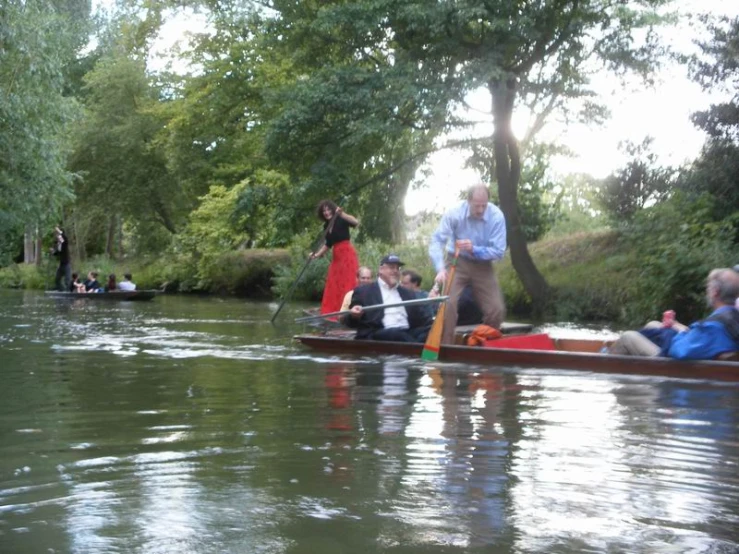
(477, 228)
(342, 271)
(61, 250)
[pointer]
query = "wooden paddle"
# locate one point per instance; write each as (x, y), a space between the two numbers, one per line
(292, 289)
(416, 302)
(433, 340)
(322, 236)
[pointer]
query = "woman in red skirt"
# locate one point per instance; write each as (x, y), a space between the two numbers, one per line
(342, 273)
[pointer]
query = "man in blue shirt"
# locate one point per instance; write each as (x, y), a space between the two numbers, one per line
(477, 227)
(715, 336)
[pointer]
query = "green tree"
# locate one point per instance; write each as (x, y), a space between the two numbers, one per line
(578, 206)
(37, 43)
(716, 171)
(124, 171)
(216, 116)
(211, 230)
(640, 183)
(539, 195)
(676, 242)
(375, 70)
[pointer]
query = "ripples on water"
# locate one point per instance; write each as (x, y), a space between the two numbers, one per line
(193, 425)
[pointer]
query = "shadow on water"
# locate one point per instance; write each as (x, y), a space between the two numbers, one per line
(194, 425)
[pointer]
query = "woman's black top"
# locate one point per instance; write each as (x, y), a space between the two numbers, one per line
(339, 232)
(62, 250)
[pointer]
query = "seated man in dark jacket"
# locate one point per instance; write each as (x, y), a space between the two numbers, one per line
(400, 324)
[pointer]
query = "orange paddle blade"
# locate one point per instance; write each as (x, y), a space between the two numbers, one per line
(433, 340)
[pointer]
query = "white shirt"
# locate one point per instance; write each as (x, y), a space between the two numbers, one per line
(126, 286)
(394, 317)
(347, 301)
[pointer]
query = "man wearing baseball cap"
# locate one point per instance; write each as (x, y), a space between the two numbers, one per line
(400, 323)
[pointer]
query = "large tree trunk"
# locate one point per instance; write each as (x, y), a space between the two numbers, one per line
(399, 183)
(508, 173)
(29, 255)
(37, 252)
(119, 237)
(110, 237)
(31, 246)
(384, 213)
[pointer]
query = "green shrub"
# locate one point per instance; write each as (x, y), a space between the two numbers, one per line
(245, 272)
(588, 292)
(517, 300)
(310, 286)
(172, 272)
(25, 276)
(673, 246)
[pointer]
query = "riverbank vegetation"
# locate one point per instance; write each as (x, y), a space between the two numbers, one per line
(202, 175)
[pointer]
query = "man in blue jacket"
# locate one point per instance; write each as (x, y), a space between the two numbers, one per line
(401, 323)
(715, 336)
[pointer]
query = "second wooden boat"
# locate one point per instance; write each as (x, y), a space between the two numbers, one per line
(129, 296)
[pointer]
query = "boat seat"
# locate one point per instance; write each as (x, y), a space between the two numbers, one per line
(582, 345)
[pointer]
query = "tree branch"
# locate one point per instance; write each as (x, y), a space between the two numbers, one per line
(541, 51)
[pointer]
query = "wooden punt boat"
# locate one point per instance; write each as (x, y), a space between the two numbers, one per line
(574, 354)
(129, 296)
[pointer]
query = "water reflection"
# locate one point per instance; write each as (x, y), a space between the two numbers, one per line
(191, 425)
(457, 450)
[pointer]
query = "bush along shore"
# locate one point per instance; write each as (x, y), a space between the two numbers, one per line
(594, 277)
(245, 273)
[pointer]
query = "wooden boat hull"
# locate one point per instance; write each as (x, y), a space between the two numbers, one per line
(558, 359)
(117, 295)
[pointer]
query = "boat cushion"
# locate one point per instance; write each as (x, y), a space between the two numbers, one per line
(534, 341)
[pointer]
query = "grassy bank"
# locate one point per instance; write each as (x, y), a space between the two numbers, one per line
(591, 275)
(587, 272)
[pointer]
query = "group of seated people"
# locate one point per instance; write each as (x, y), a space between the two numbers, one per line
(716, 336)
(399, 323)
(91, 284)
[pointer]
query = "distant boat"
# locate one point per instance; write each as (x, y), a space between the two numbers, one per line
(120, 295)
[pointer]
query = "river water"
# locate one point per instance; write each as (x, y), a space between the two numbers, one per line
(193, 425)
